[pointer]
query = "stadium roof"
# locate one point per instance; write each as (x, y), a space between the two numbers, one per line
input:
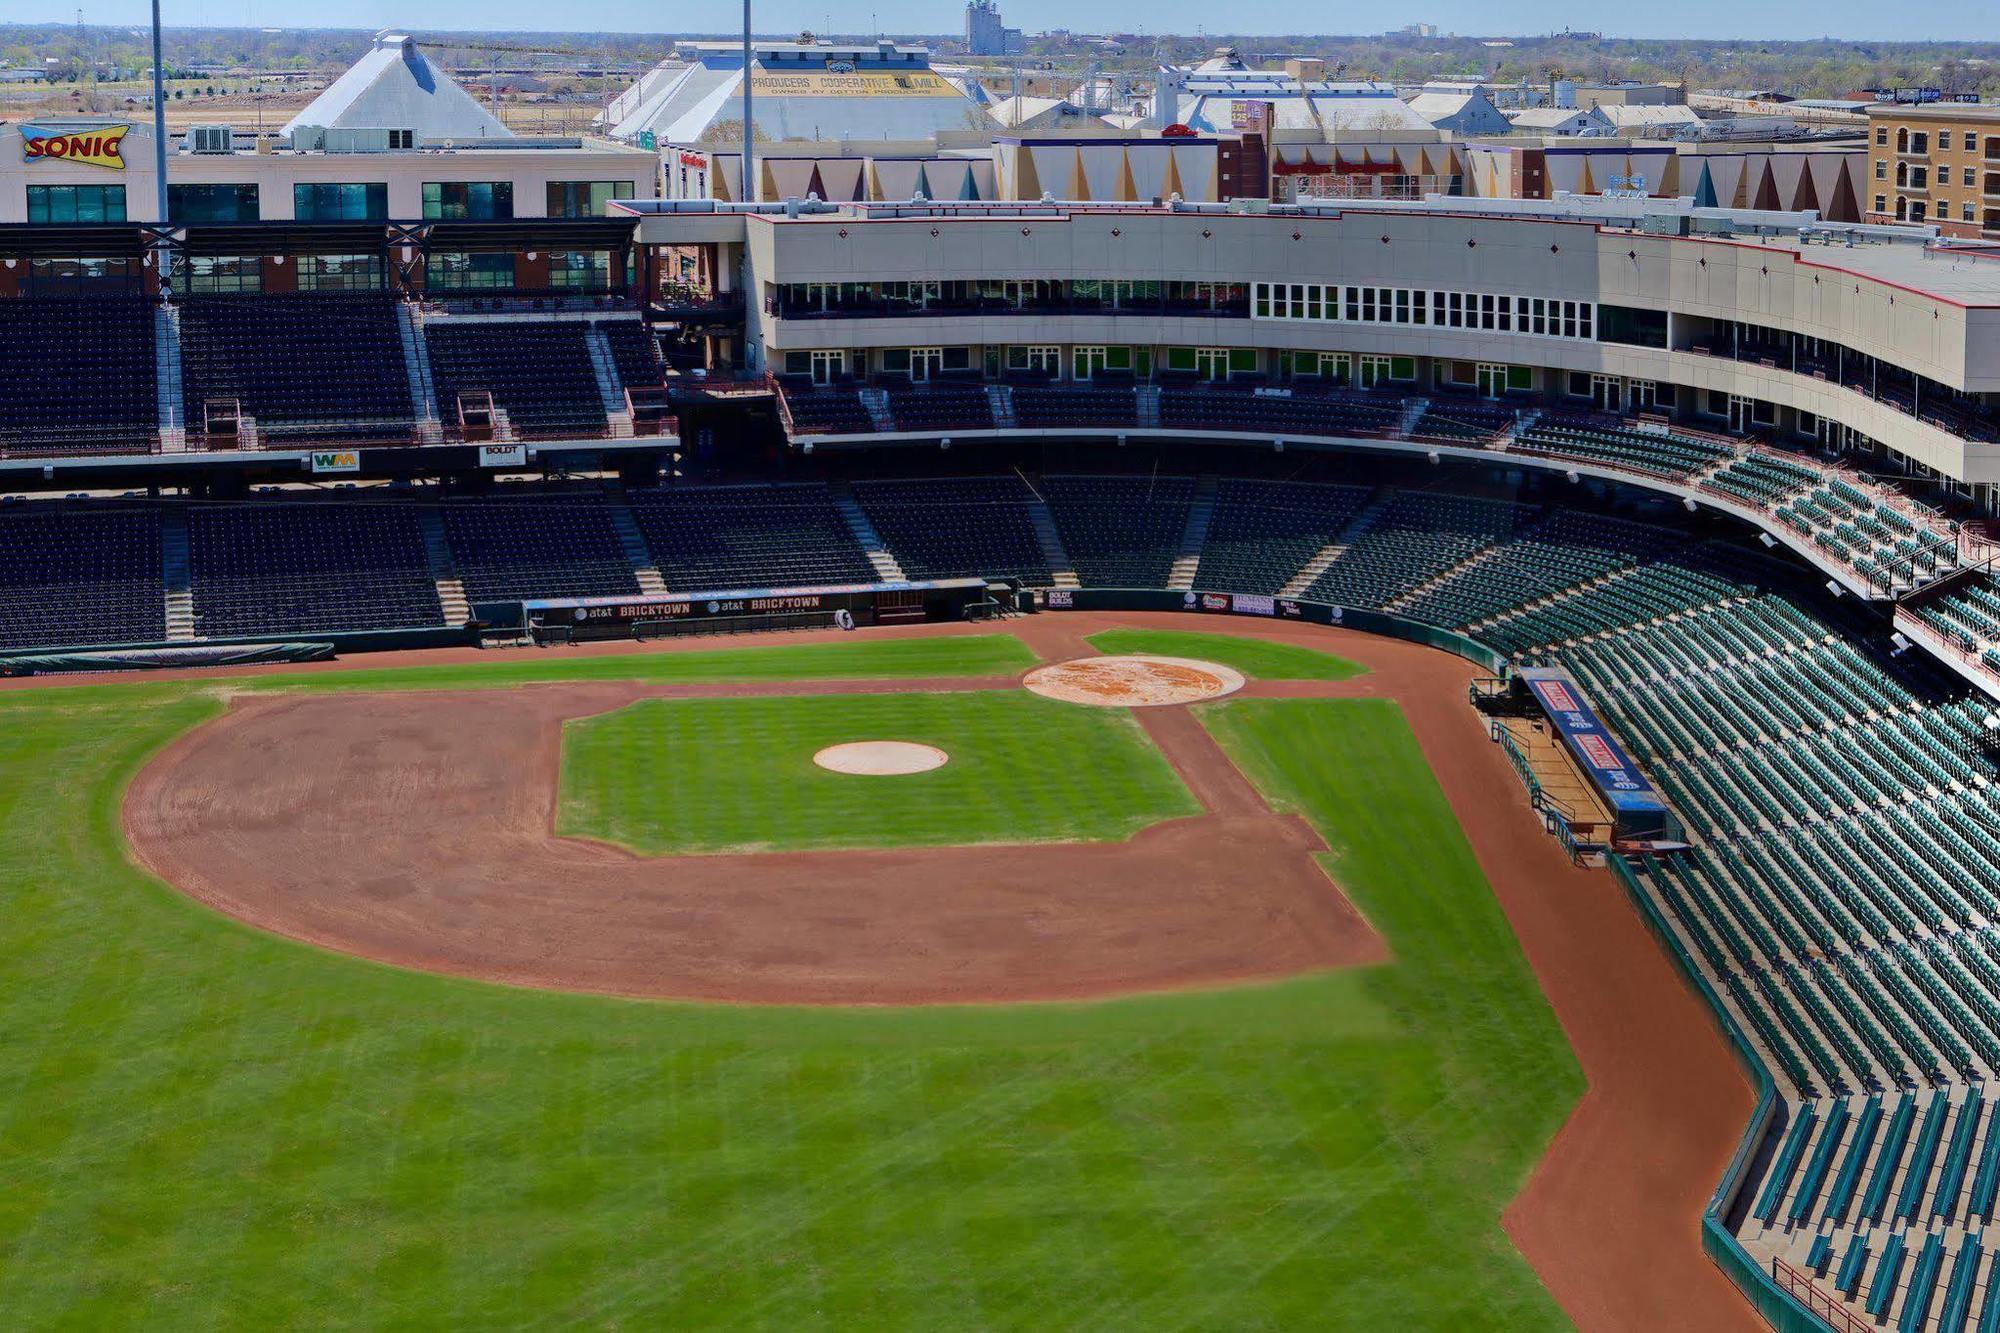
(394, 87)
(803, 91)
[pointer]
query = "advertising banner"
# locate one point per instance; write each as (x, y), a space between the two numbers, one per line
(99, 146)
(503, 455)
(860, 83)
(335, 460)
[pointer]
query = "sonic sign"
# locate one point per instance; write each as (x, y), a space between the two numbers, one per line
(102, 146)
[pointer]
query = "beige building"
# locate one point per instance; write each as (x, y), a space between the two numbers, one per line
(48, 175)
(1938, 163)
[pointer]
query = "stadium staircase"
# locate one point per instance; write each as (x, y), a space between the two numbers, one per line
(644, 570)
(1309, 572)
(1146, 406)
(1062, 572)
(870, 541)
(1413, 412)
(171, 402)
(610, 388)
(1200, 514)
(1525, 422)
(417, 369)
(1000, 399)
(176, 574)
(443, 571)
(880, 414)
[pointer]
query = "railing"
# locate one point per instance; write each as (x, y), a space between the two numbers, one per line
(932, 309)
(1799, 1284)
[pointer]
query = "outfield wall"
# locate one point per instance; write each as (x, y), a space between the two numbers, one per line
(1293, 609)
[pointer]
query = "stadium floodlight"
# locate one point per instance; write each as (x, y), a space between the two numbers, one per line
(1574, 476)
(1687, 502)
(1834, 587)
(1902, 644)
(1768, 540)
(1435, 457)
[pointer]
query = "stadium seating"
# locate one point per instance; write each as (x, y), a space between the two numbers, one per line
(1060, 406)
(1673, 457)
(1120, 532)
(633, 351)
(827, 409)
(269, 568)
(1414, 539)
(507, 547)
(80, 574)
(100, 353)
(1463, 420)
(957, 527)
(539, 373)
(940, 405)
(1263, 532)
(305, 366)
(1277, 411)
(708, 538)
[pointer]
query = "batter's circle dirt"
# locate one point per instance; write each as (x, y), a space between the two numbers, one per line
(880, 759)
(1133, 680)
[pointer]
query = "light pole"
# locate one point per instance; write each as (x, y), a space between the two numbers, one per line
(749, 195)
(160, 122)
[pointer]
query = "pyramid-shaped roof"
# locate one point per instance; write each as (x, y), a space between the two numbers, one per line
(394, 87)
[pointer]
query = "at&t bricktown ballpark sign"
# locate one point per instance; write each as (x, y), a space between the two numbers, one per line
(99, 146)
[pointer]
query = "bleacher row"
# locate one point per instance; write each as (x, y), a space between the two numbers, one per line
(304, 367)
(1879, 541)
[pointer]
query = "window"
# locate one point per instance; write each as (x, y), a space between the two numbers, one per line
(580, 270)
(1088, 361)
(1881, 168)
(340, 273)
(212, 203)
(212, 275)
(402, 139)
(365, 201)
(78, 277)
(1966, 215)
(76, 203)
(1944, 141)
(1970, 179)
(459, 272)
(584, 199)
(476, 201)
(1882, 135)
(1881, 203)
(1045, 359)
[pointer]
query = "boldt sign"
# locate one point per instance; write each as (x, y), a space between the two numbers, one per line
(103, 146)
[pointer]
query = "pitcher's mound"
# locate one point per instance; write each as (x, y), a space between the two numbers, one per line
(1134, 681)
(881, 758)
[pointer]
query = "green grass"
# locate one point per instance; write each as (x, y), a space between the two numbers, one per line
(205, 1127)
(706, 775)
(1256, 658)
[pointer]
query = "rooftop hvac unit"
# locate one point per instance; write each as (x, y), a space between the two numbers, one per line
(210, 139)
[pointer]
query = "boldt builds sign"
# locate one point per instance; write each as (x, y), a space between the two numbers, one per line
(100, 146)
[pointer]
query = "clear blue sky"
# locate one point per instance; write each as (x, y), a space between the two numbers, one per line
(1856, 19)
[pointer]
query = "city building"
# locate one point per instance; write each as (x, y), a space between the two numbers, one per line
(986, 34)
(1937, 163)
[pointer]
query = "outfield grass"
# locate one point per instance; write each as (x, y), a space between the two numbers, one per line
(203, 1126)
(708, 775)
(1256, 658)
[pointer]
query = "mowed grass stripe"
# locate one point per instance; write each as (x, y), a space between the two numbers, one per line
(710, 775)
(209, 1127)
(1256, 658)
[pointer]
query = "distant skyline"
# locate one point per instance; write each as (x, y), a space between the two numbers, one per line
(1851, 20)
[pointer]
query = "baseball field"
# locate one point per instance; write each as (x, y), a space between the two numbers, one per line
(1236, 1035)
